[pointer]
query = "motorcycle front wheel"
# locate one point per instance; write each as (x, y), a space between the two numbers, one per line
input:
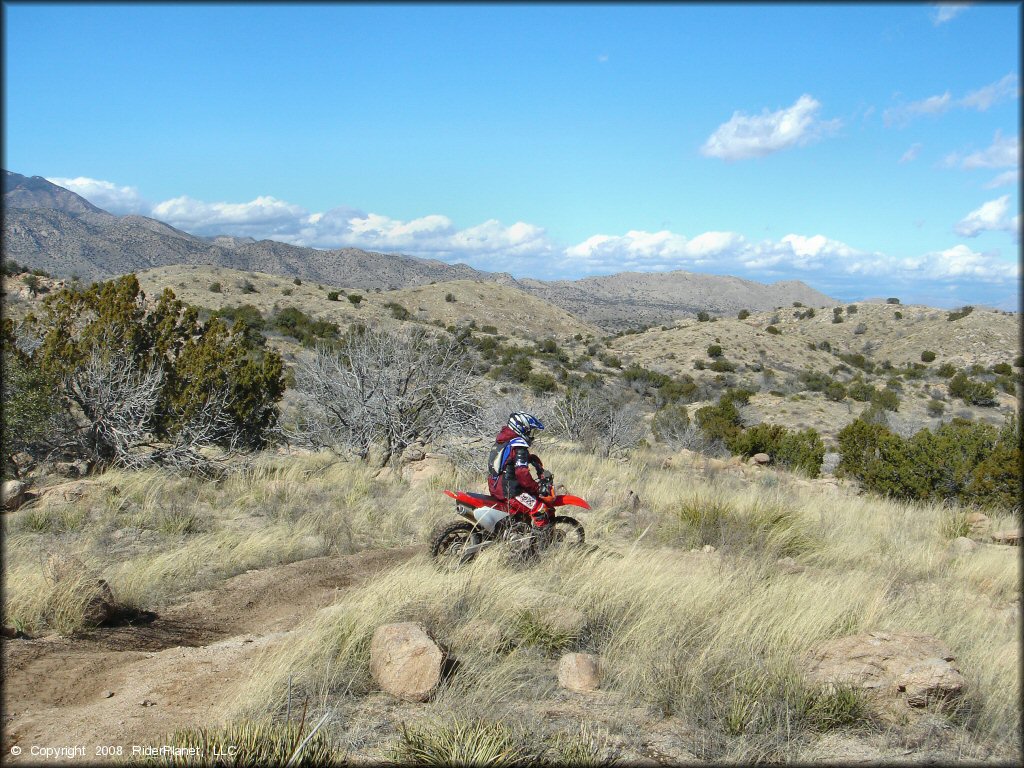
(567, 533)
(449, 545)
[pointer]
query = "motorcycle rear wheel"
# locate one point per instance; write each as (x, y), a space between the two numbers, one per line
(448, 546)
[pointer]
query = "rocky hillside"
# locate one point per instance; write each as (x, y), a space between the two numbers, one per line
(51, 228)
(631, 299)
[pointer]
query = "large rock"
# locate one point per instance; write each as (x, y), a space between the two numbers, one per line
(579, 672)
(761, 458)
(961, 546)
(979, 522)
(919, 667)
(405, 661)
(1011, 536)
(13, 494)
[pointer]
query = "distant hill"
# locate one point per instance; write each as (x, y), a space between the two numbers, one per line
(48, 227)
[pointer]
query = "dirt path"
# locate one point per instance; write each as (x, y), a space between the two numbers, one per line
(89, 690)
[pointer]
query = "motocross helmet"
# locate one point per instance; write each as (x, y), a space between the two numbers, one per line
(525, 425)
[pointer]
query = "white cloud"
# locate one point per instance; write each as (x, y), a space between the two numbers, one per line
(745, 136)
(1004, 179)
(981, 99)
(985, 97)
(960, 262)
(105, 194)
(263, 217)
(911, 154)
(990, 217)
(948, 11)
(1004, 152)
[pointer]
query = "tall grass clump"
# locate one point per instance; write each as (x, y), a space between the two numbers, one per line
(250, 743)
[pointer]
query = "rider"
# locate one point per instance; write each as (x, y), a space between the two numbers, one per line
(508, 476)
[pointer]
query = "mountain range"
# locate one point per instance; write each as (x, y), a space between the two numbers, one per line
(48, 227)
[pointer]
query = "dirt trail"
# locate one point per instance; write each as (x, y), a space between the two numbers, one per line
(188, 661)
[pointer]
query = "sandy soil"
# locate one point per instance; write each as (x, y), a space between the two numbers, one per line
(185, 664)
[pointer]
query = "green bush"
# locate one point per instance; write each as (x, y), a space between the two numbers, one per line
(799, 451)
(540, 383)
(972, 392)
(297, 281)
(703, 317)
(721, 365)
(743, 314)
(860, 391)
(962, 461)
(959, 314)
(927, 356)
(772, 330)
(610, 360)
(450, 298)
(215, 288)
(334, 296)
(297, 324)
(31, 409)
(247, 287)
(355, 298)
(898, 315)
(892, 301)
(719, 422)
(886, 398)
(248, 742)
(245, 319)
(196, 359)
(835, 391)
(397, 310)
(935, 407)
(851, 309)
(946, 370)
(714, 350)
(1002, 369)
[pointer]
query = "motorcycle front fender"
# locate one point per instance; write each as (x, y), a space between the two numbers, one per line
(563, 500)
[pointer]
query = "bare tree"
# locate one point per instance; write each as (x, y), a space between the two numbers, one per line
(604, 424)
(117, 403)
(383, 390)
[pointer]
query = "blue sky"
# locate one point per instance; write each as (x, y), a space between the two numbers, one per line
(869, 150)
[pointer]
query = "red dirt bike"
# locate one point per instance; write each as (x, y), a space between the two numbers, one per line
(487, 521)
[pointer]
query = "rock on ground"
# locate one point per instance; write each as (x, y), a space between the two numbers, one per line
(917, 667)
(1007, 537)
(405, 661)
(961, 545)
(13, 494)
(579, 672)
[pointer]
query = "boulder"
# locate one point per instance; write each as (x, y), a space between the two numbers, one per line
(930, 680)
(918, 667)
(961, 546)
(1011, 536)
(979, 522)
(579, 672)
(100, 608)
(761, 458)
(13, 494)
(405, 661)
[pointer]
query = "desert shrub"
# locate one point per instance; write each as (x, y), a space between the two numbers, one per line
(714, 350)
(962, 461)
(287, 291)
(1002, 369)
(935, 407)
(960, 313)
(131, 369)
(772, 330)
(721, 421)
(334, 296)
(860, 329)
(610, 360)
(246, 286)
(699, 365)
(297, 324)
(548, 347)
(297, 281)
(835, 391)
(249, 742)
(892, 301)
(540, 383)
(743, 314)
(489, 329)
(32, 412)
(815, 381)
(215, 287)
(703, 317)
(669, 423)
(946, 370)
(354, 299)
(886, 398)
(245, 319)
(397, 310)
(860, 390)
(851, 309)
(857, 360)
(721, 365)
(800, 451)
(450, 298)
(971, 391)
(927, 356)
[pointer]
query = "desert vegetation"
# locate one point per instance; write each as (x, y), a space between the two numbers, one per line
(728, 540)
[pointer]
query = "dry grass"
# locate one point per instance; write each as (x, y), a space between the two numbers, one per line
(711, 639)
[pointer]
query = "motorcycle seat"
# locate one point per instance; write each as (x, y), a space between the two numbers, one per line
(485, 498)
